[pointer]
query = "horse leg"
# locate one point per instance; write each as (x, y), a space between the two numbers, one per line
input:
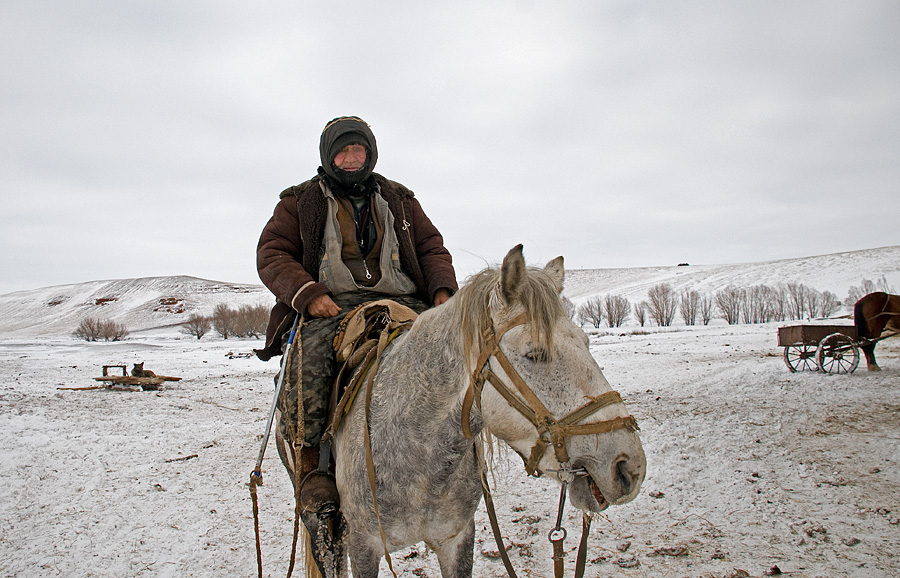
(364, 559)
(455, 556)
(869, 350)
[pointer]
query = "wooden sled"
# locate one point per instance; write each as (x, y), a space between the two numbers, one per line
(126, 382)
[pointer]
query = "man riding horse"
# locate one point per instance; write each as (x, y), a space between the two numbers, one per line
(345, 237)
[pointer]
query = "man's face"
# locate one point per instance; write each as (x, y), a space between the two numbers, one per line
(351, 158)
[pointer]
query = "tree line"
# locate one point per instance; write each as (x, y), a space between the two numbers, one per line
(246, 321)
(749, 305)
(755, 304)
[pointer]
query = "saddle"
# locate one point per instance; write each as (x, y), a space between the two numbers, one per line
(361, 338)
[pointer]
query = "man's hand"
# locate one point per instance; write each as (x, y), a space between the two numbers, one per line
(323, 306)
(441, 296)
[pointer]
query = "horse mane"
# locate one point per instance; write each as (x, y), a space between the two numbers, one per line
(480, 299)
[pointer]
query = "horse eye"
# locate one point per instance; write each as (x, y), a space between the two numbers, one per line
(536, 355)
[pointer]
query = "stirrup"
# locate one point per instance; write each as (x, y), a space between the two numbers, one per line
(323, 498)
(318, 494)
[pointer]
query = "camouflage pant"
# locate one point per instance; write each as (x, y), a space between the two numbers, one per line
(315, 366)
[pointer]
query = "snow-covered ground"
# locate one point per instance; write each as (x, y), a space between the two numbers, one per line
(750, 467)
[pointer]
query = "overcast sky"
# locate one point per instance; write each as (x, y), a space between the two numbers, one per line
(152, 138)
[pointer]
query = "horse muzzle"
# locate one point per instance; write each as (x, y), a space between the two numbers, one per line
(595, 487)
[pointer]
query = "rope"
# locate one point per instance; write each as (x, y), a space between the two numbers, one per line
(253, 498)
(296, 518)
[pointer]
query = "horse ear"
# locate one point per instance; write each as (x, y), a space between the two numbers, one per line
(556, 272)
(512, 272)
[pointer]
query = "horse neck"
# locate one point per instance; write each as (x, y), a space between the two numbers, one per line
(431, 358)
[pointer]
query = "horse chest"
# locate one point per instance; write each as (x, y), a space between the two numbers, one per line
(426, 490)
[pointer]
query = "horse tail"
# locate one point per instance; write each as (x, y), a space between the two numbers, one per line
(312, 570)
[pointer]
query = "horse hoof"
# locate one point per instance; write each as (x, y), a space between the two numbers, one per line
(873, 368)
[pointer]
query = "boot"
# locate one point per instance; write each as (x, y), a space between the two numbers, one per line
(318, 492)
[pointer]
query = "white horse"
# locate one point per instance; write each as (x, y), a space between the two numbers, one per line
(427, 472)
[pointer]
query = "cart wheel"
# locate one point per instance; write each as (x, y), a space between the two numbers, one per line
(800, 357)
(837, 353)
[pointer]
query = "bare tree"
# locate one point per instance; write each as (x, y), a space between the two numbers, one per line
(795, 303)
(689, 306)
(591, 311)
(706, 307)
(779, 303)
(757, 304)
(857, 292)
(813, 303)
(617, 309)
(223, 320)
(251, 320)
(828, 304)
(112, 331)
(92, 329)
(640, 312)
(770, 303)
(662, 304)
(800, 300)
(728, 301)
(196, 325)
(89, 329)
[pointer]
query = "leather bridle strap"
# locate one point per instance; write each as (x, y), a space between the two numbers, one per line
(476, 382)
(558, 430)
(531, 407)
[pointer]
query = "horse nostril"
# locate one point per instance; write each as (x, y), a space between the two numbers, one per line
(623, 476)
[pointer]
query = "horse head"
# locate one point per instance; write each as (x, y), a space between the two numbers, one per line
(542, 392)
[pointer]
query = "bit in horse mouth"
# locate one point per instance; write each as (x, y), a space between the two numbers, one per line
(595, 491)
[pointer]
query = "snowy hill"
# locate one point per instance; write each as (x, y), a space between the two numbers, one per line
(836, 273)
(140, 304)
(157, 303)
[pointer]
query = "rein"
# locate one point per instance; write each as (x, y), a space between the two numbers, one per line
(551, 431)
(557, 535)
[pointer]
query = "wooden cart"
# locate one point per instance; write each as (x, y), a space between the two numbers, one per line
(826, 348)
(129, 382)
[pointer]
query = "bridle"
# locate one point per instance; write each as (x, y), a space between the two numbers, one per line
(551, 431)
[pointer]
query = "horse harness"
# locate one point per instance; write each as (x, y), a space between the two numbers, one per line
(551, 431)
(884, 310)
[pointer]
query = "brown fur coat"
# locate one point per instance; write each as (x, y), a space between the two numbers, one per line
(288, 253)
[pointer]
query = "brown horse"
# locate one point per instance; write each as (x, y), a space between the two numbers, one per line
(873, 315)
